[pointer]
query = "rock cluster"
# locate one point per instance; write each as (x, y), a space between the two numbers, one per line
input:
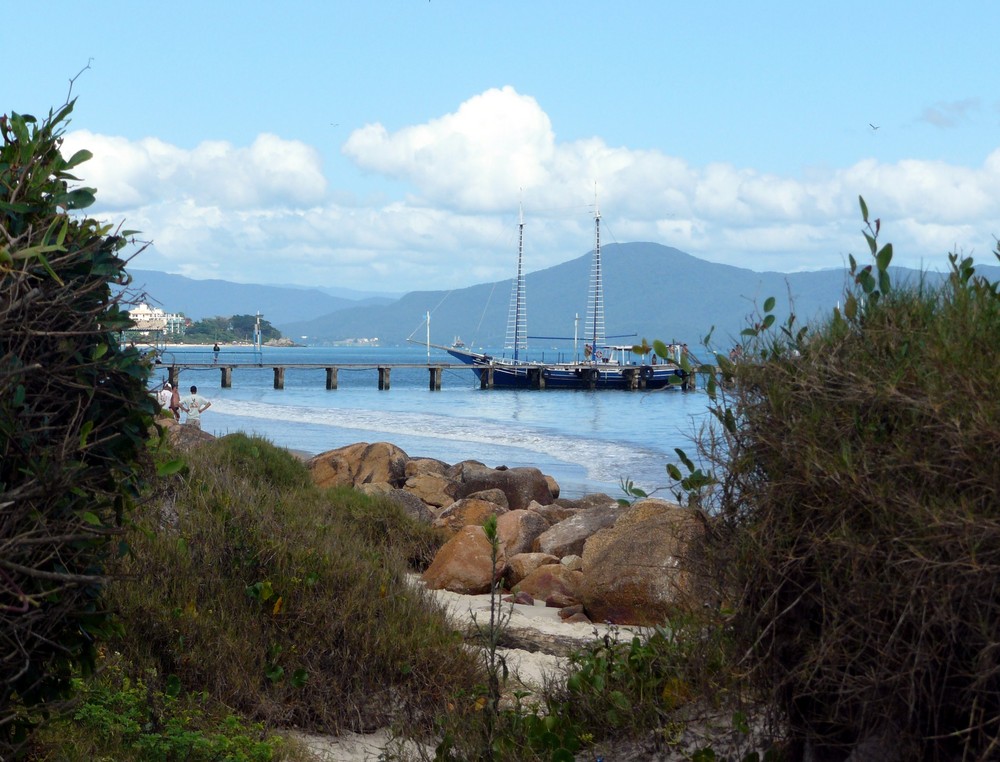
(593, 558)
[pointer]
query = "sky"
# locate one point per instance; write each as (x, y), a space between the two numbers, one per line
(388, 145)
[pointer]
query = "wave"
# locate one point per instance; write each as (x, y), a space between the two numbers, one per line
(603, 460)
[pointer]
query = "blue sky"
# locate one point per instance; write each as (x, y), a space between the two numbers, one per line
(386, 145)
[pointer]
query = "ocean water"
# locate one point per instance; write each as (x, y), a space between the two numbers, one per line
(587, 440)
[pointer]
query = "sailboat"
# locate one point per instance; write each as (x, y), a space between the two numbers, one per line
(603, 367)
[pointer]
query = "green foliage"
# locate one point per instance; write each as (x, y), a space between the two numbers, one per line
(74, 420)
(857, 504)
(125, 719)
(285, 602)
(238, 328)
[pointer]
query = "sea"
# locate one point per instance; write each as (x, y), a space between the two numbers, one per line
(588, 441)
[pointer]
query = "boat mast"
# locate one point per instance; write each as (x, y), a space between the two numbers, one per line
(517, 320)
(595, 305)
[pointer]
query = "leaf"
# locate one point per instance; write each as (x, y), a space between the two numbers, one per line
(769, 304)
(674, 472)
(170, 467)
(864, 209)
(299, 678)
(78, 158)
(85, 432)
(661, 349)
(768, 322)
(173, 686)
(851, 307)
(884, 257)
(684, 458)
(90, 518)
(871, 243)
(884, 283)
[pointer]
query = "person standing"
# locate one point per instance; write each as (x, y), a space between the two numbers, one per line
(175, 403)
(194, 405)
(164, 396)
(215, 353)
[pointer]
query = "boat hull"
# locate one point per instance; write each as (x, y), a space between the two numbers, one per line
(508, 374)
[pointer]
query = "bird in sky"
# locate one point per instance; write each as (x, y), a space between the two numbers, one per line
(873, 126)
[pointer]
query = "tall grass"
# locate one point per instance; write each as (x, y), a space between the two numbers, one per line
(287, 603)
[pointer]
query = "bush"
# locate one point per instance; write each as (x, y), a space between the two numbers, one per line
(287, 603)
(74, 419)
(860, 484)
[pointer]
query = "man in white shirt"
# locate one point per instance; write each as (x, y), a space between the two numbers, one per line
(194, 405)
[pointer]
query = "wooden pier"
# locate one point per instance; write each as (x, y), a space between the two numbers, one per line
(384, 372)
(435, 371)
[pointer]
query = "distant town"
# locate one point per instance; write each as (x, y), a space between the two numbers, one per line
(155, 326)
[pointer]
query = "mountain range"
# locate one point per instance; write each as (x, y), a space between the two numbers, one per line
(199, 299)
(651, 291)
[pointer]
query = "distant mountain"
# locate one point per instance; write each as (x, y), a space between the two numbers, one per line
(199, 299)
(650, 290)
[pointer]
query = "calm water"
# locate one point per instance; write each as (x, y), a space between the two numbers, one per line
(586, 440)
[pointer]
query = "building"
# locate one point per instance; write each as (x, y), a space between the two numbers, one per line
(152, 320)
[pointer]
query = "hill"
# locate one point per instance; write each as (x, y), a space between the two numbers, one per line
(199, 299)
(651, 291)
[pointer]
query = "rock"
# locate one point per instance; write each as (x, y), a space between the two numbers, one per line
(521, 565)
(593, 500)
(468, 511)
(572, 562)
(463, 564)
(493, 495)
(579, 618)
(520, 485)
(559, 600)
(567, 611)
(518, 529)
(434, 489)
(551, 579)
(185, 437)
(412, 505)
(553, 513)
(423, 466)
(523, 598)
(553, 486)
(640, 571)
(568, 536)
(358, 464)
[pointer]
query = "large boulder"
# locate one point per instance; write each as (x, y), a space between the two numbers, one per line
(469, 511)
(520, 485)
(518, 529)
(358, 464)
(522, 564)
(642, 569)
(413, 506)
(568, 536)
(552, 580)
(435, 490)
(464, 564)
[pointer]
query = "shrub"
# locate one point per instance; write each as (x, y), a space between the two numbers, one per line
(74, 417)
(285, 602)
(860, 483)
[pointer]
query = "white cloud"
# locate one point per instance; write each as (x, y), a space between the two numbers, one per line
(262, 213)
(270, 171)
